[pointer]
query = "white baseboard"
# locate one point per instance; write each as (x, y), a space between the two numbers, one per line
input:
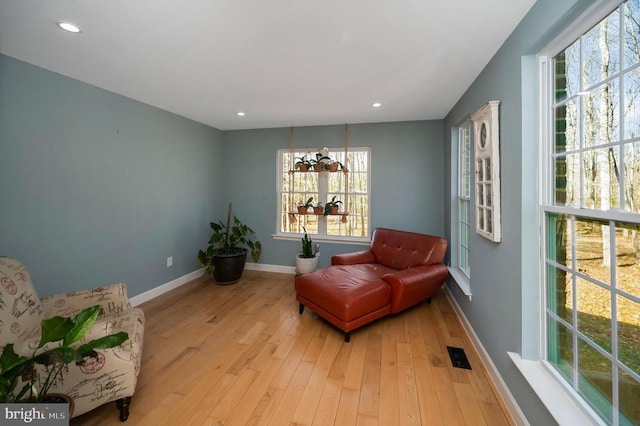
(164, 288)
(270, 268)
(510, 402)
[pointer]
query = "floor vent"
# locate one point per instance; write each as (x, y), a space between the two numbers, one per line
(458, 358)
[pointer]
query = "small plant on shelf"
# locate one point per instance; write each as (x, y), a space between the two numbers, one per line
(318, 209)
(303, 163)
(304, 207)
(332, 206)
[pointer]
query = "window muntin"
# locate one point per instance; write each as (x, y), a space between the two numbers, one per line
(592, 243)
(351, 187)
(464, 197)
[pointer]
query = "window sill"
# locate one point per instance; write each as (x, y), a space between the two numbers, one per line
(565, 408)
(320, 239)
(462, 280)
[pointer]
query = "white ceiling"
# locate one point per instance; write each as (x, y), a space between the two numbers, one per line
(282, 62)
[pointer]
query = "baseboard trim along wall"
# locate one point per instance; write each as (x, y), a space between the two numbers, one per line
(510, 402)
(164, 288)
(171, 285)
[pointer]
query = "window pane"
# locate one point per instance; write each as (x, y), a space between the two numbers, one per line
(629, 333)
(594, 379)
(631, 11)
(628, 258)
(600, 108)
(592, 249)
(601, 190)
(566, 130)
(567, 72)
(567, 180)
(594, 313)
(632, 104)
(632, 176)
(600, 49)
(629, 397)
(560, 293)
(560, 348)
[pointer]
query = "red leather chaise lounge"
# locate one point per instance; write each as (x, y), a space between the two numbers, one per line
(399, 270)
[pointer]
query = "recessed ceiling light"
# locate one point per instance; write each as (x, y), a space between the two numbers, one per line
(68, 26)
(240, 114)
(376, 104)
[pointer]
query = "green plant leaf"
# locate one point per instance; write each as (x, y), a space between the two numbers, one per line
(9, 359)
(59, 355)
(81, 324)
(54, 329)
(105, 342)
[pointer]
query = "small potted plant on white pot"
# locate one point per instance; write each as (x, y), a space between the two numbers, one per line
(307, 259)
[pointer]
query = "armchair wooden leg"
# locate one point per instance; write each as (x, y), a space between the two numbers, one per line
(429, 301)
(347, 337)
(301, 309)
(123, 405)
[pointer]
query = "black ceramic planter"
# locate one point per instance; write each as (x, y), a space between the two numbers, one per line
(229, 267)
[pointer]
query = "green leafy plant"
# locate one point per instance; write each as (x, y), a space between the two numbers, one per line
(302, 161)
(226, 239)
(61, 333)
(330, 205)
(307, 246)
(308, 204)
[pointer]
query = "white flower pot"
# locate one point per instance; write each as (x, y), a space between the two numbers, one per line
(306, 265)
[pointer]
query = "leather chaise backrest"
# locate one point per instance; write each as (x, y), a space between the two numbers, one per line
(401, 249)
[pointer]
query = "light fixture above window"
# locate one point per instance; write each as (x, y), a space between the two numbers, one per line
(68, 26)
(240, 114)
(376, 104)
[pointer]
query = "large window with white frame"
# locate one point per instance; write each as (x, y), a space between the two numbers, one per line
(350, 185)
(591, 210)
(464, 198)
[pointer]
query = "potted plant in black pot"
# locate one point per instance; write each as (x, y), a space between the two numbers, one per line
(226, 255)
(307, 259)
(22, 381)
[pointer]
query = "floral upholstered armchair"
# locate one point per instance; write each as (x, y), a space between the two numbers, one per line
(112, 375)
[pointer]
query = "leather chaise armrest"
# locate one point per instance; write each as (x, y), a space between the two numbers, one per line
(413, 285)
(365, 256)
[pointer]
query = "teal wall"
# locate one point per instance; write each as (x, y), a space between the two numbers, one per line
(504, 276)
(104, 188)
(407, 178)
(97, 188)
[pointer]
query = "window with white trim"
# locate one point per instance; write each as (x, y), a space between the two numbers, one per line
(464, 198)
(350, 185)
(591, 205)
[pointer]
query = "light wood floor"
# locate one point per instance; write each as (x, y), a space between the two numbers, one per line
(241, 355)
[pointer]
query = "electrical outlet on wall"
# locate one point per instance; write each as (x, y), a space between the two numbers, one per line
(169, 261)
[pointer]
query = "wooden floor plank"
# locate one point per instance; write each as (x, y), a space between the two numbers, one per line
(242, 354)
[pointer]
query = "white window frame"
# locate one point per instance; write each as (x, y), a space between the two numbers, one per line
(321, 235)
(460, 269)
(555, 391)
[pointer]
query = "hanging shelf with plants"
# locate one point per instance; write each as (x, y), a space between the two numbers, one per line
(318, 163)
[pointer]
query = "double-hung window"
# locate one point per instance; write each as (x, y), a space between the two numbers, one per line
(591, 215)
(461, 222)
(350, 185)
(464, 197)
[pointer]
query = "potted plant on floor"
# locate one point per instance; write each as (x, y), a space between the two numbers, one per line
(307, 259)
(226, 255)
(54, 351)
